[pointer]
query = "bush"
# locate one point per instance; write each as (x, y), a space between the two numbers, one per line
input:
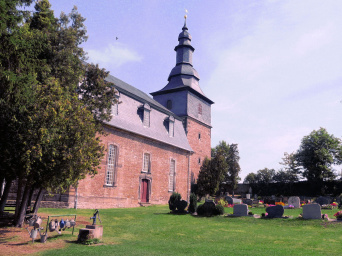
(210, 209)
(174, 198)
(180, 206)
(193, 203)
(219, 209)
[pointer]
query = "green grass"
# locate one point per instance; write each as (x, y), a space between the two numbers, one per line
(153, 231)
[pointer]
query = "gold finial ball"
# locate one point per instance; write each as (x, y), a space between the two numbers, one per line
(185, 16)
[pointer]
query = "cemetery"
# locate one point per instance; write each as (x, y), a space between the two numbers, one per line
(178, 229)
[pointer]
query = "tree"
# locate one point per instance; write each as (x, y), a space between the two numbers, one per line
(51, 112)
(265, 176)
(317, 154)
(291, 169)
(231, 155)
(250, 178)
(211, 175)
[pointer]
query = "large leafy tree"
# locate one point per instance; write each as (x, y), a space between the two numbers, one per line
(231, 154)
(317, 155)
(52, 103)
(211, 175)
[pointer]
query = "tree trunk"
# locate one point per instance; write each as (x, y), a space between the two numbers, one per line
(19, 219)
(30, 198)
(5, 195)
(38, 200)
(19, 196)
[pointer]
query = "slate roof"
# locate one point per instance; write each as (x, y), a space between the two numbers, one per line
(129, 120)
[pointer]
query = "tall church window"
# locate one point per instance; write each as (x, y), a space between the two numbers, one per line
(111, 165)
(147, 163)
(172, 176)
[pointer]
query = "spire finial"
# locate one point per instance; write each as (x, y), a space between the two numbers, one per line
(185, 16)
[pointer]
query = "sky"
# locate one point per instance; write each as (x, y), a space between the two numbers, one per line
(273, 68)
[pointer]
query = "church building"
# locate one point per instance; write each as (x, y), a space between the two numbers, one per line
(154, 146)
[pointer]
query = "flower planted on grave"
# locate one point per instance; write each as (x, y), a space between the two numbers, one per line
(290, 206)
(279, 203)
(338, 215)
(334, 204)
(327, 207)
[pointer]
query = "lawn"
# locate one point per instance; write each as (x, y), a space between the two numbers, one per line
(153, 231)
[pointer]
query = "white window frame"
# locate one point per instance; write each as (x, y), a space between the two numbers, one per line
(112, 156)
(146, 168)
(172, 175)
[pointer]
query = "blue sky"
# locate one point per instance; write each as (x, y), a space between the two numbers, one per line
(273, 68)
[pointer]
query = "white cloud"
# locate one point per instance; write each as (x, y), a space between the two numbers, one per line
(114, 55)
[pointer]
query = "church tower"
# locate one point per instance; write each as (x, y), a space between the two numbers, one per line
(184, 97)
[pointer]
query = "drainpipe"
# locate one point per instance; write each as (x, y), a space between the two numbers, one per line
(75, 204)
(188, 188)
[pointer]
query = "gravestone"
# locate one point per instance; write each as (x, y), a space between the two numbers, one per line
(322, 200)
(247, 201)
(248, 196)
(250, 190)
(236, 201)
(240, 210)
(255, 196)
(295, 201)
(229, 199)
(275, 211)
(312, 211)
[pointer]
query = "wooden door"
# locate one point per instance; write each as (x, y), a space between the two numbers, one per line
(144, 191)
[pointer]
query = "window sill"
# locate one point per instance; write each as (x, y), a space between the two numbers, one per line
(109, 186)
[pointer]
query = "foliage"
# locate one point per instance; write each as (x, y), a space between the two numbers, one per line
(209, 209)
(211, 175)
(174, 199)
(317, 154)
(231, 155)
(193, 203)
(219, 210)
(50, 114)
(291, 169)
(250, 178)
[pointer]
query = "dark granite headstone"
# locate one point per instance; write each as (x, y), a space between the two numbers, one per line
(275, 211)
(229, 199)
(323, 200)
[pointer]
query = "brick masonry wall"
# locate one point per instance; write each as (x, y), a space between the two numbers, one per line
(201, 146)
(92, 192)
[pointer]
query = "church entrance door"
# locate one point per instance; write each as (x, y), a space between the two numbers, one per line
(144, 191)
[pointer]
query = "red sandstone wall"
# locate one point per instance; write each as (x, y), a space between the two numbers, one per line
(201, 147)
(92, 192)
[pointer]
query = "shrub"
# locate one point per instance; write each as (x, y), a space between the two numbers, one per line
(181, 205)
(219, 210)
(193, 203)
(209, 209)
(222, 202)
(174, 198)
